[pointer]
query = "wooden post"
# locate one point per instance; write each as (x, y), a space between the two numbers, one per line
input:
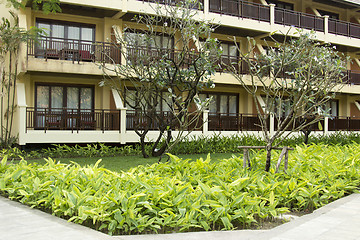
(282, 154)
(245, 157)
(286, 160)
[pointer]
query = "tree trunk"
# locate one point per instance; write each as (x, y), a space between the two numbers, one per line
(161, 151)
(268, 157)
(306, 136)
(142, 143)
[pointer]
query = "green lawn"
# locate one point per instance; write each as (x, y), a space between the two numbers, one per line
(123, 163)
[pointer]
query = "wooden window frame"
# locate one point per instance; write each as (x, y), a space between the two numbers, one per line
(65, 86)
(218, 96)
(67, 24)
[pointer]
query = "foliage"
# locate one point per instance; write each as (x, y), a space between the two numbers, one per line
(184, 195)
(190, 145)
(48, 6)
(291, 82)
(166, 67)
(11, 36)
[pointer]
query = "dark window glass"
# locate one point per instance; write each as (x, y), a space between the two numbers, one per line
(56, 97)
(67, 30)
(225, 103)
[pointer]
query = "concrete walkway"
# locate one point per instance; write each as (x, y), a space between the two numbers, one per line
(339, 220)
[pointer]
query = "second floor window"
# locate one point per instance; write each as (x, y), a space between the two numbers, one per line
(136, 39)
(224, 103)
(67, 30)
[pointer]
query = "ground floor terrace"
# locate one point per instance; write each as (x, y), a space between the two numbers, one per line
(117, 126)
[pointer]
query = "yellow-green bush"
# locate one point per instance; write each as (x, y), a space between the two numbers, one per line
(184, 195)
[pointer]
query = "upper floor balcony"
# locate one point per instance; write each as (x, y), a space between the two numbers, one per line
(76, 51)
(258, 19)
(73, 50)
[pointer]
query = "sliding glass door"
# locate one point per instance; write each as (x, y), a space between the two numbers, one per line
(62, 106)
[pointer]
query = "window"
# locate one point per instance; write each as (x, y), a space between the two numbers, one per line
(132, 97)
(136, 39)
(61, 106)
(67, 30)
(57, 97)
(222, 103)
(283, 5)
(65, 40)
(333, 107)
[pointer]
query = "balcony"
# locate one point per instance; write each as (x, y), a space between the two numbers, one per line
(104, 52)
(299, 19)
(73, 50)
(240, 9)
(264, 13)
(72, 119)
(84, 126)
(343, 123)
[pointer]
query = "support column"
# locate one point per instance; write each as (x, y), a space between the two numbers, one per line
(206, 8)
(326, 125)
(326, 27)
(123, 120)
(272, 14)
(205, 121)
(21, 102)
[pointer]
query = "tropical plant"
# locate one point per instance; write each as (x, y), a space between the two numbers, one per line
(185, 195)
(166, 66)
(291, 82)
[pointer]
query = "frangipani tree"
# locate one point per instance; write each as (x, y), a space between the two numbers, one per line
(292, 82)
(168, 59)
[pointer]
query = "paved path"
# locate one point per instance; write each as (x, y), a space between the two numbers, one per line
(339, 220)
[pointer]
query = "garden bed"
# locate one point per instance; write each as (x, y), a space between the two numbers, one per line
(185, 195)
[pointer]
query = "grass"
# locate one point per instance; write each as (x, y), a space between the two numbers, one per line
(124, 163)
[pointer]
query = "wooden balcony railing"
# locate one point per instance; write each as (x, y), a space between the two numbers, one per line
(85, 51)
(72, 119)
(176, 2)
(301, 121)
(234, 122)
(342, 123)
(73, 50)
(109, 120)
(249, 10)
(344, 28)
(298, 19)
(136, 120)
(240, 9)
(352, 77)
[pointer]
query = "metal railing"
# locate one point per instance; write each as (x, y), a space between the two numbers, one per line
(299, 19)
(240, 9)
(301, 121)
(342, 123)
(344, 28)
(234, 122)
(72, 119)
(137, 120)
(73, 50)
(196, 5)
(352, 77)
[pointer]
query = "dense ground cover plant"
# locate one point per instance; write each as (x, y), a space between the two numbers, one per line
(212, 144)
(184, 195)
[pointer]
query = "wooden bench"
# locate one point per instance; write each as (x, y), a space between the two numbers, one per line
(284, 154)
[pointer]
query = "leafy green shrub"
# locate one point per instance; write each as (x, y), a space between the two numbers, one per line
(184, 195)
(191, 145)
